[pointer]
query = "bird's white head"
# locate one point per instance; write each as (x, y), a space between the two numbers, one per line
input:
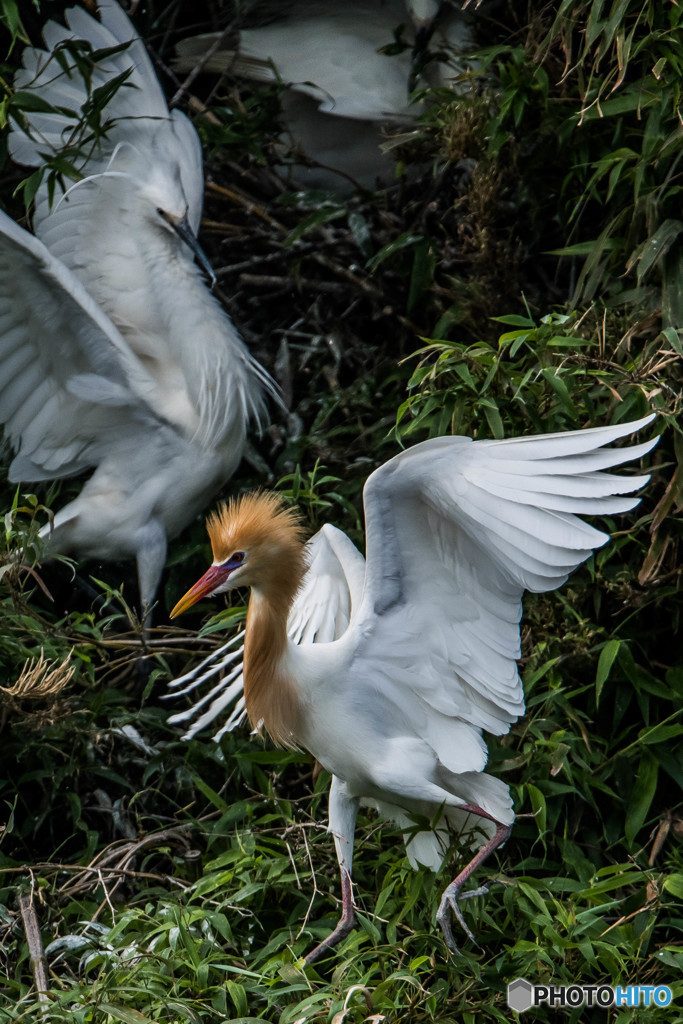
(154, 192)
(257, 541)
(423, 12)
(163, 204)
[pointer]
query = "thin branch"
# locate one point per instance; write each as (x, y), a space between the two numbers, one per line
(36, 950)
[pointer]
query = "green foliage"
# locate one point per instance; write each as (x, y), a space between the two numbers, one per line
(625, 66)
(554, 375)
(10, 18)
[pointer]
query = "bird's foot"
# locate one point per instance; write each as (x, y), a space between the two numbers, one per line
(344, 926)
(450, 905)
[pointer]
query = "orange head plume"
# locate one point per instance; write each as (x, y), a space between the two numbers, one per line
(249, 535)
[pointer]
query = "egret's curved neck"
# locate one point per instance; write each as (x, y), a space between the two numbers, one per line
(271, 694)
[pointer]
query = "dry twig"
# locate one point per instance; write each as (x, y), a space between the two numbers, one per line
(34, 940)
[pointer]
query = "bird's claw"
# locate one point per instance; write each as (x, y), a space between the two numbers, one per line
(450, 905)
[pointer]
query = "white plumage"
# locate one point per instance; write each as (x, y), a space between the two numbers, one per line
(392, 669)
(113, 353)
(345, 78)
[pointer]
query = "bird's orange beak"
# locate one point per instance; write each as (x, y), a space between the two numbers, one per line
(204, 587)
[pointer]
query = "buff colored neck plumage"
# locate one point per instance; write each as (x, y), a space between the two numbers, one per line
(270, 534)
(271, 694)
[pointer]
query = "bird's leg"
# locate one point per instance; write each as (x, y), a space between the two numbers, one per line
(344, 925)
(343, 810)
(151, 555)
(451, 894)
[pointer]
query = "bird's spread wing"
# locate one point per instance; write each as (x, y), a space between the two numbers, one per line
(69, 386)
(456, 531)
(139, 133)
(330, 591)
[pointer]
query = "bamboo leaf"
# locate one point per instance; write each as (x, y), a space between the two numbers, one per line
(605, 662)
(642, 795)
(674, 885)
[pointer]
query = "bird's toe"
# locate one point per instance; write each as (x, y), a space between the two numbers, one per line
(449, 905)
(483, 890)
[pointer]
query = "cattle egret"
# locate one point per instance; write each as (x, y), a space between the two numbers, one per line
(394, 666)
(114, 355)
(346, 80)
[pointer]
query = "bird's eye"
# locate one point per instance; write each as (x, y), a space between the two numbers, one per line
(235, 560)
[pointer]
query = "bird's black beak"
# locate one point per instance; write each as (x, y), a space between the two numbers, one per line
(183, 229)
(421, 55)
(422, 36)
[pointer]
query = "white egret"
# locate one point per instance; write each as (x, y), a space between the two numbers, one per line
(345, 78)
(394, 666)
(114, 355)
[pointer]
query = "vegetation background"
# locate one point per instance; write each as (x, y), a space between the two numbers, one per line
(530, 279)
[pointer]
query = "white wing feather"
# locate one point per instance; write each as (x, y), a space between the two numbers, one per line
(334, 53)
(137, 117)
(331, 588)
(94, 228)
(456, 531)
(427, 634)
(106, 229)
(58, 355)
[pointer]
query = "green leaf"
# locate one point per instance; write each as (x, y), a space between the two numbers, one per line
(674, 885)
(238, 996)
(605, 662)
(493, 418)
(404, 241)
(422, 276)
(657, 246)
(538, 806)
(314, 220)
(514, 320)
(30, 186)
(642, 795)
(560, 388)
(10, 16)
(24, 99)
(661, 733)
(125, 1014)
(211, 794)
